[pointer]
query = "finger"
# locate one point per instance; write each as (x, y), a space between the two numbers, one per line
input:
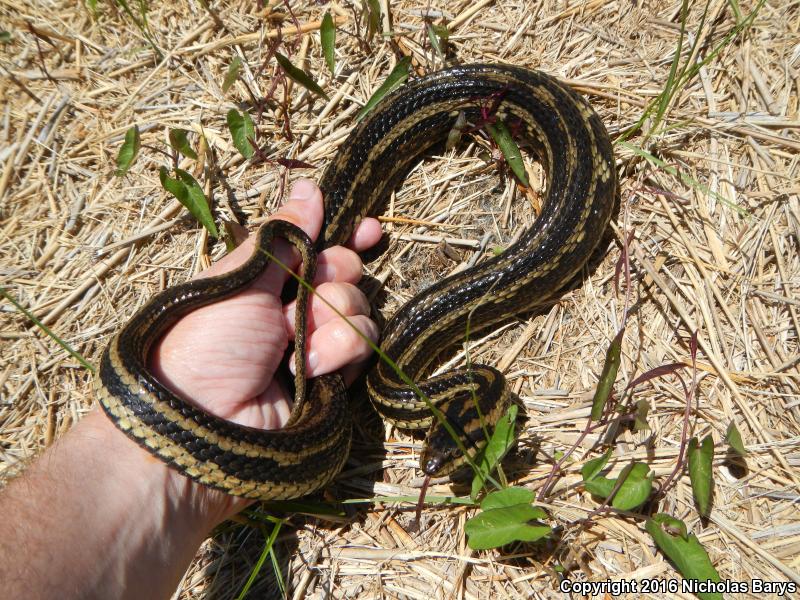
(304, 209)
(354, 370)
(336, 344)
(367, 233)
(338, 264)
(330, 301)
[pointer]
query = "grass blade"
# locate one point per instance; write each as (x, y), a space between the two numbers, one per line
(327, 38)
(76, 355)
(395, 79)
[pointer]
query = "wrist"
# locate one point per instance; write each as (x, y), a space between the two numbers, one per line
(202, 507)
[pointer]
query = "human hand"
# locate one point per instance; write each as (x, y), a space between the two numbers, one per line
(223, 357)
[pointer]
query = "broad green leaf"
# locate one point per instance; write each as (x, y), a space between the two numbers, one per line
(299, 76)
(684, 551)
(600, 486)
(701, 457)
(232, 74)
(189, 193)
(635, 489)
(734, 439)
(327, 38)
(640, 420)
(499, 443)
(500, 526)
(592, 468)
(510, 496)
(502, 137)
(607, 378)
(128, 151)
(395, 79)
(180, 143)
(242, 131)
(5, 37)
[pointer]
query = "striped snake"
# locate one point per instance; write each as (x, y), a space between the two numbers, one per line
(571, 142)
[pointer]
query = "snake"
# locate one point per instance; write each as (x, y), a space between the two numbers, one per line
(458, 407)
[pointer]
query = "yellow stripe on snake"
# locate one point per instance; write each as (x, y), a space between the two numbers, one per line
(569, 139)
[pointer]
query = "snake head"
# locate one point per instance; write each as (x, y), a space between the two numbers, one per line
(440, 461)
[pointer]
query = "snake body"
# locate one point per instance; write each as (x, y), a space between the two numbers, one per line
(571, 142)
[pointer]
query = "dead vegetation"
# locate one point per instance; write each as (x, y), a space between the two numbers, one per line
(710, 193)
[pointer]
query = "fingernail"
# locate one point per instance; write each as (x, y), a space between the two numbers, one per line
(313, 361)
(303, 189)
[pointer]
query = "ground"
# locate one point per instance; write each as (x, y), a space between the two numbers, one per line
(707, 157)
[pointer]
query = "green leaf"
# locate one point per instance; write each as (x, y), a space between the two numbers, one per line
(685, 551)
(701, 457)
(607, 378)
(592, 468)
(232, 74)
(734, 439)
(499, 443)
(640, 420)
(242, 131)
(600, 486)
(180, 143)
(189, 193)
(637, 483)
(500, 526)
(299, 76)
(395, 79)
(510, 496)
(635, 489)
(128, 151)
(5, 37)
(502, 137)
(327, 38)
(438, 35)
(374, 16)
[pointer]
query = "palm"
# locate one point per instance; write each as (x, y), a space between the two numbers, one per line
(223, 357)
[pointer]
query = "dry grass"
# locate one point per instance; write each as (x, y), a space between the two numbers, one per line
(72, 250)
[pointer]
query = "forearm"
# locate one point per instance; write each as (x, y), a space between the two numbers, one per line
(98, 517)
